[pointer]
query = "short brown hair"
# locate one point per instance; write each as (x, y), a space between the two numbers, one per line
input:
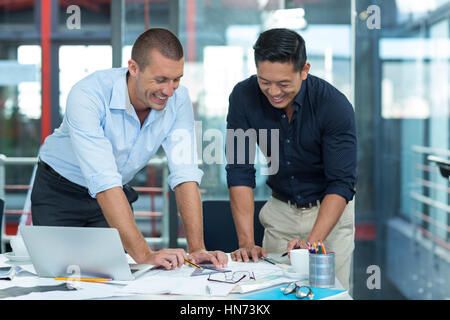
(160, 39)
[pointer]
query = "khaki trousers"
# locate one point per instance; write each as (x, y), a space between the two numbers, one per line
(282, 223)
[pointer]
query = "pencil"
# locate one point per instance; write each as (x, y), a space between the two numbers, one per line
(323, 249)
(193, 264)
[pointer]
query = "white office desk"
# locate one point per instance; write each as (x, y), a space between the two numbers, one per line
(66, 295)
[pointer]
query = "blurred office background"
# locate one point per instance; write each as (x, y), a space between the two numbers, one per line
(390, 58)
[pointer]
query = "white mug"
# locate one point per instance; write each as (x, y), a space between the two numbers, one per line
(18, 246)
(300, 261)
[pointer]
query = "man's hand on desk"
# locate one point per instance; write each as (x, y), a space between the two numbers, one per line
(245, 253)
(218, 258)
(167, 258)
(175, 258)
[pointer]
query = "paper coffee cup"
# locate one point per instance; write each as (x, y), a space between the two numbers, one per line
(300, 261)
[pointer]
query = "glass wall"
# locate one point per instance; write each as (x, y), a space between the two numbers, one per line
(77, 62)
(218, 37)
(19, 75)
(414, 125)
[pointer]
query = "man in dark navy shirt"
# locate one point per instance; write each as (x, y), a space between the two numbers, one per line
(306, 129)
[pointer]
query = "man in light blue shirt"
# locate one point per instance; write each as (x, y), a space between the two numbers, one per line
(115, 122)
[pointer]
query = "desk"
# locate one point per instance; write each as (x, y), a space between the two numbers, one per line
(36, 281)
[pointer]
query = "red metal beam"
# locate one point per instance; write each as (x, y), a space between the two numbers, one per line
(365, 231)
(46, 29)
(190, 31)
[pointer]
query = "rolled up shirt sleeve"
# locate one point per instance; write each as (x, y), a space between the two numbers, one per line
(84, 116)
(339, 147)
(180, 144)
(240, 163)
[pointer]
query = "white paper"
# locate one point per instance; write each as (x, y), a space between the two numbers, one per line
(179, 281)
(193, 286)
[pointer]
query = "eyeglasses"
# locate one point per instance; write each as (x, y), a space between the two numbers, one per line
(232, 278)
(301, 292)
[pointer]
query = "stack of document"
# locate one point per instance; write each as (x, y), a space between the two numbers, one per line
(161, 284)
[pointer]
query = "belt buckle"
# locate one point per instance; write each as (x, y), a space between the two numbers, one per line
(306, 206)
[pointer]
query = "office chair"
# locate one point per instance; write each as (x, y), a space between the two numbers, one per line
(2, 223)
(219, 230)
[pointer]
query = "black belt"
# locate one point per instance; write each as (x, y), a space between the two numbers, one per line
(48, 168)
(308, 205)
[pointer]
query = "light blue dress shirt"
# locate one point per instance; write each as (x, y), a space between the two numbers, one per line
(101, 144)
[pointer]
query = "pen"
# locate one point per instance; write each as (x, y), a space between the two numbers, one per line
(84, 279)
(193, 264)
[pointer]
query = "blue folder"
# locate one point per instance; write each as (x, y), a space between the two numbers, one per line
(277, 294)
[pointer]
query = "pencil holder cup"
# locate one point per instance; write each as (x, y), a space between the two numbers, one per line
(321, 270)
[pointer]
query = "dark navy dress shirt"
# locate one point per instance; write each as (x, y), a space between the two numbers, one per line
(317, 148)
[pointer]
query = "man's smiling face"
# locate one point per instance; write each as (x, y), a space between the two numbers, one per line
(279, 82)
(157, 82)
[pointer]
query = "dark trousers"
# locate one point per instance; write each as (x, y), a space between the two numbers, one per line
(56, 201)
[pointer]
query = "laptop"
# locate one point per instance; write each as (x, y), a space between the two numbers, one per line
(89, 252)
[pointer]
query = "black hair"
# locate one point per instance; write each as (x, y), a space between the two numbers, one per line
(160, 39)
(281, 45)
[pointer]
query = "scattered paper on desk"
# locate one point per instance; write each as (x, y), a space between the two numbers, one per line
(29, 268)
(178, 281)
(161, 284)
(160, 281)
